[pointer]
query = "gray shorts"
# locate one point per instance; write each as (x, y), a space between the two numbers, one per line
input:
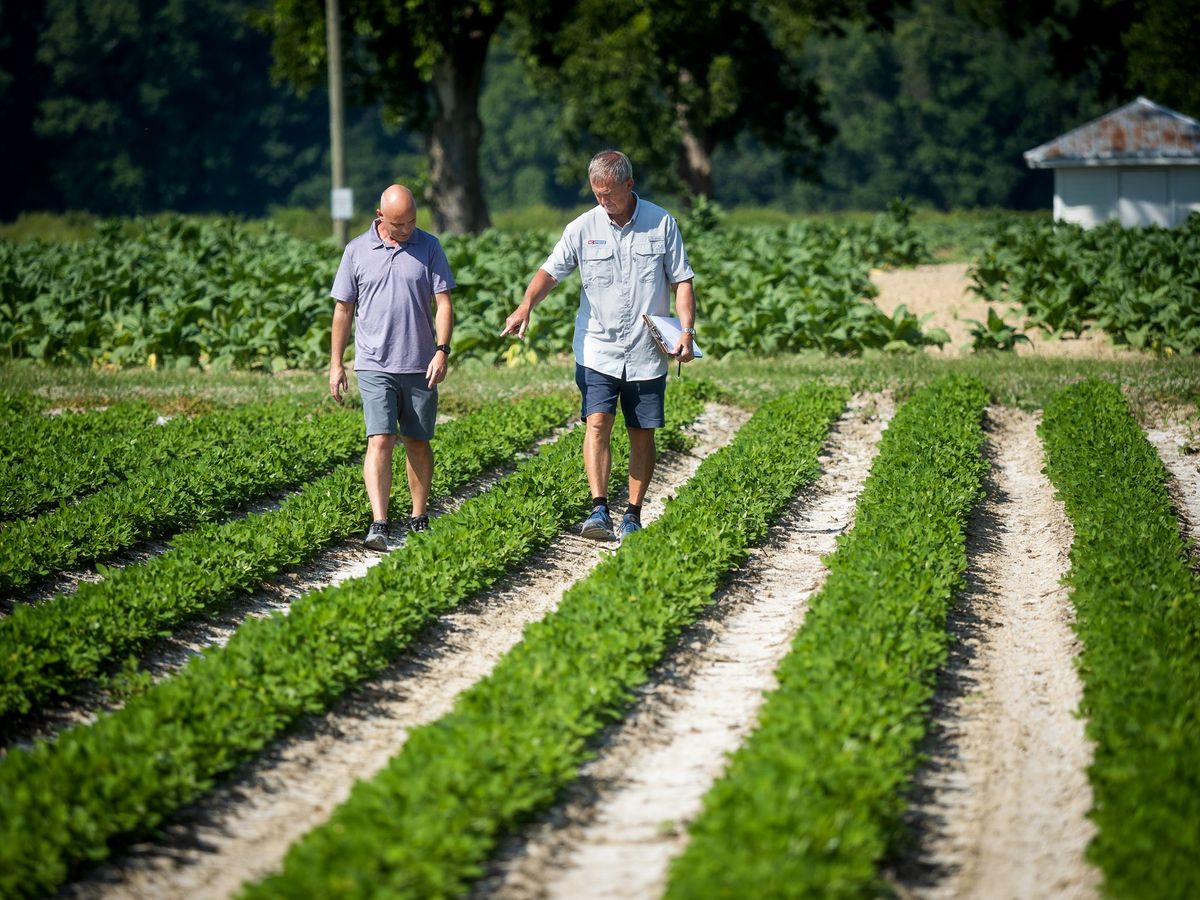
(407, 399)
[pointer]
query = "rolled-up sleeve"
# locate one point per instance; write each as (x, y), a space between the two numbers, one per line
(564, 258)
(675, 261)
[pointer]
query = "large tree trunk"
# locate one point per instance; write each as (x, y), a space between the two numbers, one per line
(694, 162)
(455, 192)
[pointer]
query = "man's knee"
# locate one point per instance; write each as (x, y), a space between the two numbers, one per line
(381, 441)
(601, 423)
(416, 446)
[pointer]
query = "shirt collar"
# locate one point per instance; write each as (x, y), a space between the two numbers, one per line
(637, 203)
(380, 242)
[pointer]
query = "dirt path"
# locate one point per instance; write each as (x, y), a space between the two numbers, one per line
(1170, 439)
(626, 819)
(242, 829)
(1001, 807)
(942, 292)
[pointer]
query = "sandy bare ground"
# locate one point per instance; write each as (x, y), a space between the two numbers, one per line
(620, 826)
(1000, 809)
(1170, 440)
(941, 291)
(241, 830)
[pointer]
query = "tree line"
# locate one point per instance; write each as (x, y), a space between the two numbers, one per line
(135, 106)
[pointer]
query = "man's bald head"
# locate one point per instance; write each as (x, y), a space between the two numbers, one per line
(397, 213)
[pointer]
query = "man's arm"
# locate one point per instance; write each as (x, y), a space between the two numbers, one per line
(343, 315)
(538, 290)
(443, 326)
(685, 309)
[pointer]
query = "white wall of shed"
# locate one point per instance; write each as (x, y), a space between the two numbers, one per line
(1185, 192)
(1138, 196)
(1085, 196)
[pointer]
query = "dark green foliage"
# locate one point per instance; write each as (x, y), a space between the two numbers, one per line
(995, 333)
(65, 803)
(1138, 616)
(220, 294)
(89, 452)
(423, 826)
(812, 801)
(51, 648)
(1141, 285)
(268, 455)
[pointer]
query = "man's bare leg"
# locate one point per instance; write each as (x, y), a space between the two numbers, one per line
(377, 473)
(418, 457)
(642, 452)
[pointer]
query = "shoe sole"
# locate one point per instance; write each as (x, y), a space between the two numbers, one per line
(596, 533)
(375, 543)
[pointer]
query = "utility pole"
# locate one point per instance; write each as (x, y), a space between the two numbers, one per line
(341, 199)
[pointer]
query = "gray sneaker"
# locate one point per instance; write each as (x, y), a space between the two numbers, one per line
(418, 523)
(377, 536)
(629, 525)
(598, 526)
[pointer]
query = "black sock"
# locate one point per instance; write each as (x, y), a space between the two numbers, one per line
(635, 510)
(599, 501)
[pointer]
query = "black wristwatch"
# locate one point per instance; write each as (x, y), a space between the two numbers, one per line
(445, 348)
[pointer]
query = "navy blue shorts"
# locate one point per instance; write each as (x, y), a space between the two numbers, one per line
(641, 401)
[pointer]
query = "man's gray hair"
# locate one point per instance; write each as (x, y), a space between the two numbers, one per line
(610, 167)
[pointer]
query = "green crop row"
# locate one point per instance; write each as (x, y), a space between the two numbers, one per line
(48, 650)
(27, 431)
(180, 495)
(813, 800)
(1140, 285)
(68, 802)
(54, 471)
(1137, 607)
(174, 292)
(423, 826)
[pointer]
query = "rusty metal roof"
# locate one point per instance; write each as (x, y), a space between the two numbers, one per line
(1140, 133)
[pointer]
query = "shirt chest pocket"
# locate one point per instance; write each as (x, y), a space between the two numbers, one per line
(648, 258)
(597, 270)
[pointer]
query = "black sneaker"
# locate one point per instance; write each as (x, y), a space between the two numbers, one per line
(377, 536)
(418, 523)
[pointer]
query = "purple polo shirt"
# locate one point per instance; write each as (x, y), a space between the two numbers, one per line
(392, 289)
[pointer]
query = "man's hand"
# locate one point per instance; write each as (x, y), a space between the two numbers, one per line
(435, 372)
(518, 321)
(338, 383)
(683, 350)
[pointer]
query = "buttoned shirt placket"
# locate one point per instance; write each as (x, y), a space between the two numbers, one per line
(623, 247)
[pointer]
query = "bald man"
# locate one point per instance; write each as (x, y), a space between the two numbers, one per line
(394, 284)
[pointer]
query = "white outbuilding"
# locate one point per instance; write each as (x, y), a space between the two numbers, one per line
(1139, 164)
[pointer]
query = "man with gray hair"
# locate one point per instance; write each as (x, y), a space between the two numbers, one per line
(631, 258)
(390, 280)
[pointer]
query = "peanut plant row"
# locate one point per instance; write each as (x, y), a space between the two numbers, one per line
(50, 649)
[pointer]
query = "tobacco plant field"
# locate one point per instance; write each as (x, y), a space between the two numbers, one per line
(209, 688)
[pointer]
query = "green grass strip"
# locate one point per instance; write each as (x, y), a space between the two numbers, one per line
(50, 649)
(54, 471)
(423, 826)
(812, 802)
(178, 496)
(1138, 616)
(65, 803)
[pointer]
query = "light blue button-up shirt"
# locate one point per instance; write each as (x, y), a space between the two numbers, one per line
(626, 272)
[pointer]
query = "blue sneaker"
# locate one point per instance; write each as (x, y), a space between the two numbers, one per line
(598, 526)
(629, 525)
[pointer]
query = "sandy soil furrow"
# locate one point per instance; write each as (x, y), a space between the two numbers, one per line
(242, 829)
(626, 819)
(1170, 441)
(337, 563)
(1000, 809)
